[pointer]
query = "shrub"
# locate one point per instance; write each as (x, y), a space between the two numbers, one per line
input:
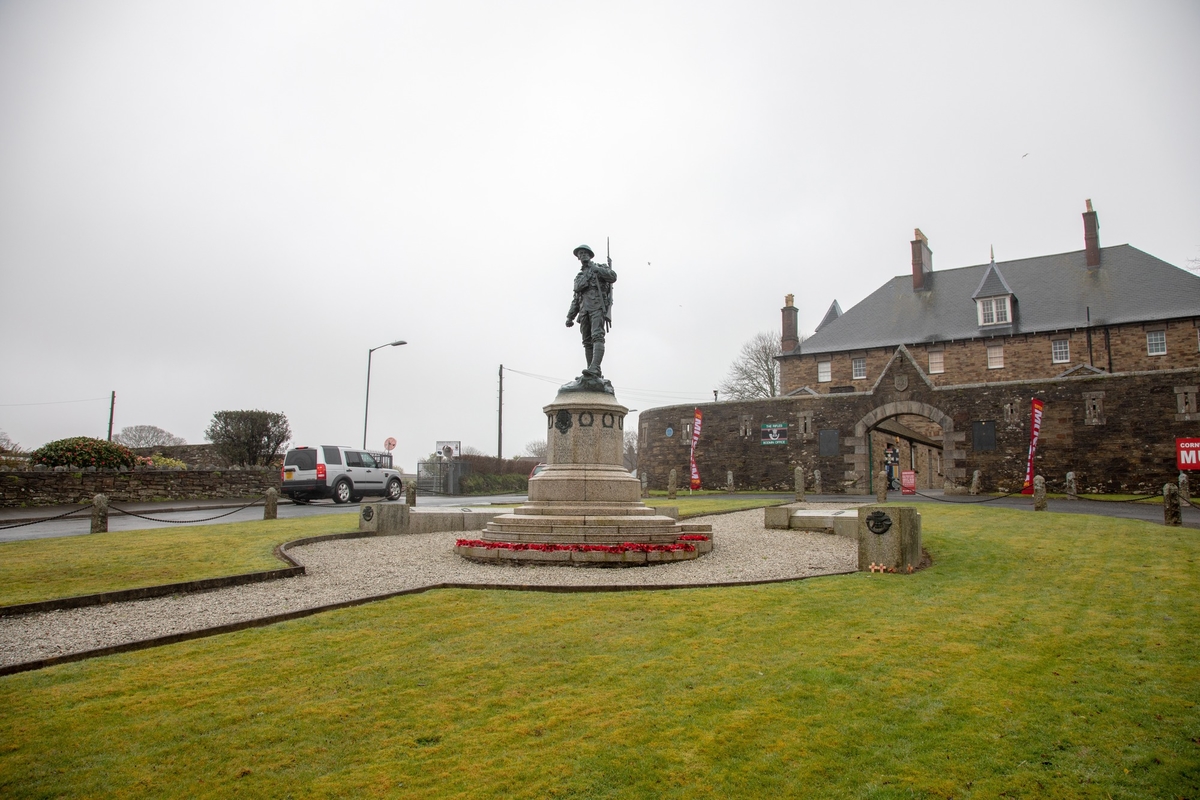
(159, 461)
(83, 451)
(478, 483)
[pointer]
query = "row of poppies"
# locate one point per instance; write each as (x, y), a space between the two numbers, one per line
(550, 547)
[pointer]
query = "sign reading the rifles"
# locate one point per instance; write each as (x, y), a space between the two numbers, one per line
(774, 432)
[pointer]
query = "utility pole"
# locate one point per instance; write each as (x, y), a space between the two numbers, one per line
(112, 406)
(500, 418)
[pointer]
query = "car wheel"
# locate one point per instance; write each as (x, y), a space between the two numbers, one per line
(341, 492)
(394, 489)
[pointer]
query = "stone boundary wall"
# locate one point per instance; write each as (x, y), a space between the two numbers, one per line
(26, 489)
(1115, 432)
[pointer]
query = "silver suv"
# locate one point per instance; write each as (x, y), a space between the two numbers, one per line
(344, 473)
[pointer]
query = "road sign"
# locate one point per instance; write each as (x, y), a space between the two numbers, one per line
(389, 444)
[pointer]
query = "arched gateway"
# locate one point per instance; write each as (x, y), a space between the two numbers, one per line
(860, 460)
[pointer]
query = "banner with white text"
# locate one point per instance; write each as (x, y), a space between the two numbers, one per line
(1035, 428)
(695, 483)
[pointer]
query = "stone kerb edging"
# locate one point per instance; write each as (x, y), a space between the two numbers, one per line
(262, 622)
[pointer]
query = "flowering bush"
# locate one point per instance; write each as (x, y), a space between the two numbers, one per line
(623, 547)
(693, 537)
(161, 462)
(83, 451)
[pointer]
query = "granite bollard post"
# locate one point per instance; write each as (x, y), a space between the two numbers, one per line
(1185, 491)
(1072, 487)
(672, 486)
(881, 486)
(99, 514)
(271, 504)
(1039, 493)
(816, 481)
(976, 482)
(645, 485)
(729, 481)
(1171, 513)
(799, 484)
(410, 493)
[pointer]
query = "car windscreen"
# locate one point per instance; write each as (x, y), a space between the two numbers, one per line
(301, 459)
(332, 455)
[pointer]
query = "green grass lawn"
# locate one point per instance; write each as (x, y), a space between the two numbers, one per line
(44, 569)
(1042, 655)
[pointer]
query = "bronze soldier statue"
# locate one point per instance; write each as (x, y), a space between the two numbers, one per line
(592, 308)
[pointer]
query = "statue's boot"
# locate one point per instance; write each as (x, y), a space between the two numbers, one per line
(596, 356)
(587, 351)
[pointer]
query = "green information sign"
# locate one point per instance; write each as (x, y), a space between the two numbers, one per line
(774, 432)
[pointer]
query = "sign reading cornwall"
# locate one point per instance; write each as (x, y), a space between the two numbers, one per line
(774, 432)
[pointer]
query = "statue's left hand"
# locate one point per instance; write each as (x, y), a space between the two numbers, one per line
(570, 323)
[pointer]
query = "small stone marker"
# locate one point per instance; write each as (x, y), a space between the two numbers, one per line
(1185, 491)
(816, 481)
(976, 482)
(99, 514)
(1072, 487)
(671, 486)
(383, 517)
(729, 481)
(410, 493)
(889, 539)
(271, 505)
(1171, 514)
(1039, 493)
(881, 486)
(645, 485)
(799, 485)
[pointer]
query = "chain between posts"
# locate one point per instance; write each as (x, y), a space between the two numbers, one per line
(111, 507)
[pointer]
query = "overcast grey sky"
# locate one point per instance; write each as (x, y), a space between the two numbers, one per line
(224, 205)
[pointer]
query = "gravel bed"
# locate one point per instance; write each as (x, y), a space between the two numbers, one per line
(349, 569)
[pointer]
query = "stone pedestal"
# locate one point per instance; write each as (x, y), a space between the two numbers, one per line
(585, 508)
(889, 539)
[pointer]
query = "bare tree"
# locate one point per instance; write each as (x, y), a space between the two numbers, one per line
(755, 372)
(630, 456)
(536, 449)
(147, 436)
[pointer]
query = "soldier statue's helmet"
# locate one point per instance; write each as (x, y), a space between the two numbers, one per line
(585, 249)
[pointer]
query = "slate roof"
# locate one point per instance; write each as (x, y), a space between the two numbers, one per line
(1050, 293)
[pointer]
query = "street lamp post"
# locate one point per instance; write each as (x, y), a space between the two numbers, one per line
(367, 405)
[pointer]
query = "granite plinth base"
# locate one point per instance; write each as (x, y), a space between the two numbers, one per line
(585, 508)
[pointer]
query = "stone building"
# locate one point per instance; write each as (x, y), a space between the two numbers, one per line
(943, 366)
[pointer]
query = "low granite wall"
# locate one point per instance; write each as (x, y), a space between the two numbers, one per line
(24, 489)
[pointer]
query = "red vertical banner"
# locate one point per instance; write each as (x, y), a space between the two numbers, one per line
(1035, 428)
(695, 483)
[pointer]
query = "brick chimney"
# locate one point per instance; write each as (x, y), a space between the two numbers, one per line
(790, 339)
(1091, 236)
(922, 261)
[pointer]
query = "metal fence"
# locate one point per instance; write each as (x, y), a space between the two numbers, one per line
(440, 477)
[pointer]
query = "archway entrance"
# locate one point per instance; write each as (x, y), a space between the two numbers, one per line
(911, 436)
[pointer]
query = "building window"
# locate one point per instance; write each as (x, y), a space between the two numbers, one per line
(747, 426)
(1093, 408)
(858, 368)
(1156, 343)
(1060, 351)
(995, 355)
(993, 310)
(824, 373)
(805, 424)
(937, 362)
(1186, 398)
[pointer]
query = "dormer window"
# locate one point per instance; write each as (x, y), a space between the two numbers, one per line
(994, 310)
